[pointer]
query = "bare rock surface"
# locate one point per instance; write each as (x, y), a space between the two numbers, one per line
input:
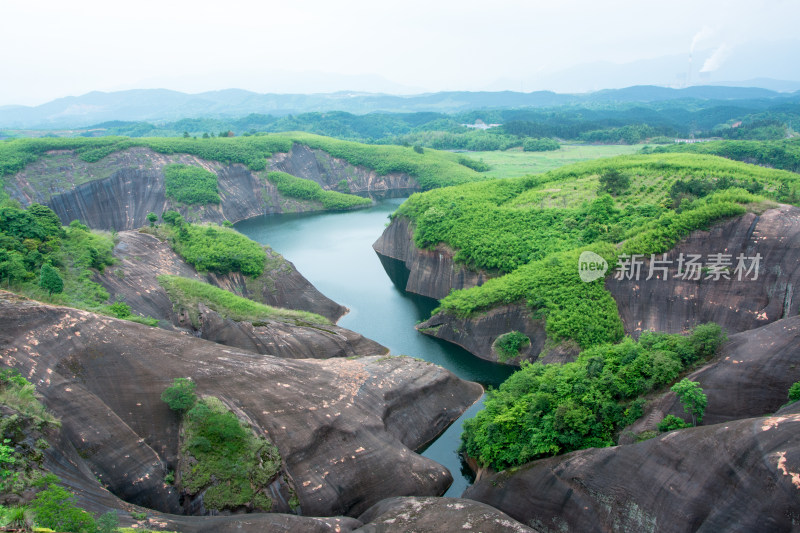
(742, 475)
(346, 428)
(675, 305)
(432, 515)
(432, 273)
(318, 165)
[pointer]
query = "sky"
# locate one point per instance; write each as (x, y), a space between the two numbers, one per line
(53, 49)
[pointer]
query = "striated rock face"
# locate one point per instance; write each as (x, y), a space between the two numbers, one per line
(432, 273)
(346, 428)
(750, 377)
(436, 514)
(317, 165)
(119, 191)
(675, 305)
(142, 258)
(737, 476)
(671, 305)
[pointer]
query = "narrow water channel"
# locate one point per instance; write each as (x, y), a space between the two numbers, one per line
(334, 252)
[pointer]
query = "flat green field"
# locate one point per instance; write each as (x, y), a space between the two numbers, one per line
(515, 162)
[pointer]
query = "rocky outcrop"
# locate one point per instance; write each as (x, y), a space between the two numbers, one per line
(117, 192)
(432, 273)
(669, 305)
(674, 305)
(750, 377)
(328, 171)
(478, 334)
(142, 258)
(345, 428)
(737, 476)
(436, 514)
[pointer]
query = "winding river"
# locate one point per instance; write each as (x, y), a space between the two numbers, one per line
(334, 252)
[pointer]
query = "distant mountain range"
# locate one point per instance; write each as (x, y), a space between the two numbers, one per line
(156, 105)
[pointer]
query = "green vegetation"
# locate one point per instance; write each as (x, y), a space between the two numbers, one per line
(794, 392)
(303, 189)
(783, 154)
(515, 163)
(671, 423)
(55, 508)
(33, 242)
(431, 168)
(180, 395)
(225, 458)
(692, 399)
(509, 344)
(188, 293)
(213, 248)
(530, 231)
(545, 410)
(614, 182)
(190, 185)
(540, 145)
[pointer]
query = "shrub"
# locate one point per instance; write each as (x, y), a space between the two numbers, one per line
(545, 410)
(304, 189)
(120, 309)
(180, 395)
(672, 422)
(614, 182)
(509, 344)
(54, 507)
(190, 185)
(692, 398)
(794, 392)
(540, 145)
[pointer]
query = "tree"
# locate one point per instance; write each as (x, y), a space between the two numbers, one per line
(152, 218)
(185, 134)
(692, 398)
(49, 280)
(180, 395)
(55, 508)
(794, 392)
(614, 182)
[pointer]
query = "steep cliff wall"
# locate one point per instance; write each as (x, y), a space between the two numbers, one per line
(670, 305)
(317, 165)
(432, 273)
(119, 191)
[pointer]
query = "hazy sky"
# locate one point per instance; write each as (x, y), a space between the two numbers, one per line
(57, 48)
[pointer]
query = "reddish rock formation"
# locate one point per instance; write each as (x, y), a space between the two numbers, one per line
(742, 475)
(346, 428)
(142, 258)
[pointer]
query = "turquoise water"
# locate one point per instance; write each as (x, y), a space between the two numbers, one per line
(334, 252)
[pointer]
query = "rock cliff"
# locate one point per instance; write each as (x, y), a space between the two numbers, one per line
(319, 166)
(669, 305)
(432, 273)
(119, 191)
(346, 428)
(142, 258)
(737, 476)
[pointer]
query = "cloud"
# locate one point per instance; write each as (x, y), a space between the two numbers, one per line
(716, 59)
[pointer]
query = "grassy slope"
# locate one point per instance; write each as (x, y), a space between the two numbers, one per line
(188, 293)
(515, 162)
